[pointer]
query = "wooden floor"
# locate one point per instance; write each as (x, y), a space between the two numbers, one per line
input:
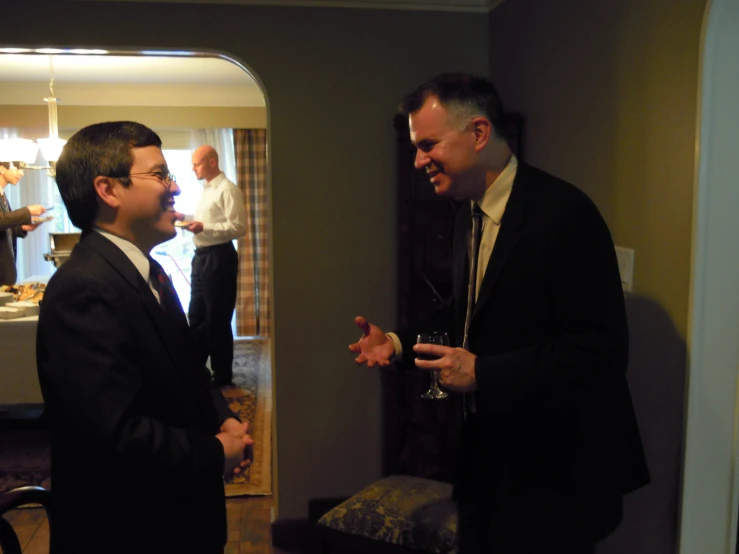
(249, 527)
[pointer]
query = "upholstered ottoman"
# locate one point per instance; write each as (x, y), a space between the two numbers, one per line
(397, 514)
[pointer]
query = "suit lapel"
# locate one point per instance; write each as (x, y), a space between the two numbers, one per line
(173, 332)
(511, 231)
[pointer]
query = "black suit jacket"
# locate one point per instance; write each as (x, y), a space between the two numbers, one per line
(10, 230)
(136, 466)
(555, 423)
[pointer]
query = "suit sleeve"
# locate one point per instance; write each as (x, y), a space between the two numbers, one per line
(95, 387)
(440, 319)
(224, 412)
(587, 345)
(15, 218)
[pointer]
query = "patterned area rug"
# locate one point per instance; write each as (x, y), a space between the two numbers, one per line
(251, 398)
(25, 453)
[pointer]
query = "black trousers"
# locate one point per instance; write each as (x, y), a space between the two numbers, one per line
(212, 302)
(535, 519)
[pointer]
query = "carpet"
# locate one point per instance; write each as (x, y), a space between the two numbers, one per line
(25, 452)
(250, 397)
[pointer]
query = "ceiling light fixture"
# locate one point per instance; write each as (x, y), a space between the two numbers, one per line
(51, 147)
(23, 152)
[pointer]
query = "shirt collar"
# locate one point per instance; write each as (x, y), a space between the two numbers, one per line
(494, 200)
(137, 257)
(215, 181)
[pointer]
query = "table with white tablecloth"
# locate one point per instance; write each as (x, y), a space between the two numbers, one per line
(19, 385)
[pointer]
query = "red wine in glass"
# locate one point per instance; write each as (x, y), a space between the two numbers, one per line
(434, 392)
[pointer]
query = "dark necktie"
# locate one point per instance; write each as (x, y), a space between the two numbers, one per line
(168, 299)
(475, 236)
(468, 400)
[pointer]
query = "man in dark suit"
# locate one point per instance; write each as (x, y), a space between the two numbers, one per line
(549, 443)
(140, 439)
(13, 223)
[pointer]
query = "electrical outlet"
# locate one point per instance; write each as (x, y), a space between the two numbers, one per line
(626, 267)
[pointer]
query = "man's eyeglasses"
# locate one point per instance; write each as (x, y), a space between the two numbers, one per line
(164, 177)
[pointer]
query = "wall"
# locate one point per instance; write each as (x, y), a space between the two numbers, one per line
(36, 118)
(609, 95)
(332, 78)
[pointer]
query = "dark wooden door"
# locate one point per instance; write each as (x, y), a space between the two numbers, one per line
(421, 437)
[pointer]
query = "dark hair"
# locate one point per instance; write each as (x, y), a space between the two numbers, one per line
(101, 149)
(463, 95)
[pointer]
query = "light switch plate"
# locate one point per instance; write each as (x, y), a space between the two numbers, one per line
(626, 267)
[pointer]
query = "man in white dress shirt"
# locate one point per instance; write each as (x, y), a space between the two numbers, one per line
(219, 219)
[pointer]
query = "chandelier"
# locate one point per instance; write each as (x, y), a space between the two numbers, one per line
(23, 152)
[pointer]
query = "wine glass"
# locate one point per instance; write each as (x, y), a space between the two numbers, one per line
(434, 392)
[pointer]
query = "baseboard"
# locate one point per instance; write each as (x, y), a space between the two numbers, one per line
(296, 535)
(23, 417)
(319, 506)
(292, 535)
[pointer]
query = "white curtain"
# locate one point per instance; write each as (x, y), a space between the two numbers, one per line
(36, 187)
(223, 142)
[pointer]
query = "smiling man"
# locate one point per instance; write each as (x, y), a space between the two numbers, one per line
(549, 442)
(140, 438)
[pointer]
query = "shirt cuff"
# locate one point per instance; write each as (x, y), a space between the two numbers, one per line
(398, 347)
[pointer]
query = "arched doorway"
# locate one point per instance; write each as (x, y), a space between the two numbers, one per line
(711, 484)
(142, 86)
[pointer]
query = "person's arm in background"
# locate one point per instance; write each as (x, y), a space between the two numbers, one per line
(21, 216)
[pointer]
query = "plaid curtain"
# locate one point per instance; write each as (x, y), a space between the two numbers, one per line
(252, 299)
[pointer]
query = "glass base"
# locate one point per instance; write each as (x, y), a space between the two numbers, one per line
(434, 394)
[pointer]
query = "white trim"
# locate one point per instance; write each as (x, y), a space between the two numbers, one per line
(710, 494)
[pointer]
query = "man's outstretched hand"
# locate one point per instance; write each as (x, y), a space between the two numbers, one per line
(374, 347)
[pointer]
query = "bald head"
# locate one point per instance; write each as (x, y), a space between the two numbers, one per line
(205, 162)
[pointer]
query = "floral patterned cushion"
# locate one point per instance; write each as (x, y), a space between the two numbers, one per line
(408, 511)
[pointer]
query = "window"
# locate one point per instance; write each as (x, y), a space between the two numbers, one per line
(176, 254)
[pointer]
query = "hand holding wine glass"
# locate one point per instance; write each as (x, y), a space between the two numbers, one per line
(455, 367)
(442, 339)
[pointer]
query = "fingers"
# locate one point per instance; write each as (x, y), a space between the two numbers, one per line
(363, 324)
(432, 349)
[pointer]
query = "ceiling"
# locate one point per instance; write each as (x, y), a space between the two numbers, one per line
(148, 79)
(99, 78)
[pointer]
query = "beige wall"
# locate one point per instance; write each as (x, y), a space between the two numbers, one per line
(609, 95)
(35, 119)
(332, 78)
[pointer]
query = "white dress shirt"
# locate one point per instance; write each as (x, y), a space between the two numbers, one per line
(137, 257)
(492, 203)
(222, 211)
